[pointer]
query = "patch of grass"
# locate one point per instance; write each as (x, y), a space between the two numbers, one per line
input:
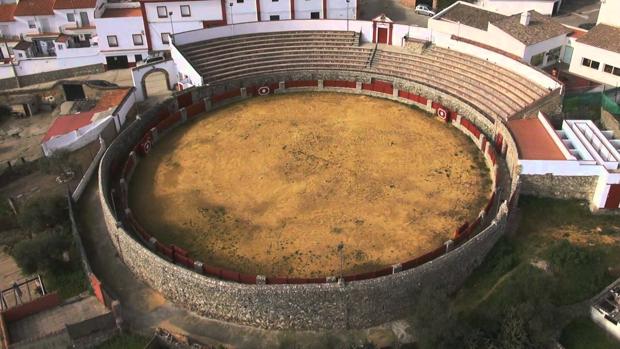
(68, 283)
(125, 341)
(582, 333)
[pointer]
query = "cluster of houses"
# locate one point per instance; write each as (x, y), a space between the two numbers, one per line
(51, 35)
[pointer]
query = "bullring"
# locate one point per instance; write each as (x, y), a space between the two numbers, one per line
(358, 300)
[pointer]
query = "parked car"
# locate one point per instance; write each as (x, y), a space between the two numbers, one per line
(424, 10)
(152, 58)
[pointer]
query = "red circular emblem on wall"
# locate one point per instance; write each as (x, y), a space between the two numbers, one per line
(442, 113)
(264, 90)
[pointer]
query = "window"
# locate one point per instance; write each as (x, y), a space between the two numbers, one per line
(185, 11)
(165, 38)
(537, 60)
(31, 24)
(274, 18)
(239, 1)
(70, 17)
(590, 63)
(60, 47)
(112, 41)
(274, 0)
(554, 55)
(162, 12)
(616, 71)
(315, 15)
(608, 68)
(137, 40)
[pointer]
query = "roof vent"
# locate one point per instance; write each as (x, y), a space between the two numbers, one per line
(525, 18)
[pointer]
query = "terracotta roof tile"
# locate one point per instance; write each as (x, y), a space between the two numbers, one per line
(541, 28)
(603, 36)
(35, 8)
(122, 12)
(533, 140)
(7, 12)
(71, 4)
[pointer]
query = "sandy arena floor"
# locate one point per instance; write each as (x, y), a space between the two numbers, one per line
(272, 185)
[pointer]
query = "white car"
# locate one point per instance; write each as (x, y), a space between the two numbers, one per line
(424, 10)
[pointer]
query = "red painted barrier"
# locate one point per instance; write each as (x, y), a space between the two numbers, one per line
(301, 83)
(247, 279)
(491, 152)
(145, 144)
(368, 87)
(96, 285)
(38, 305)
(461, 229)
(184, 100)
(168, 122)
(275, 280)
(499, 140)
(212, 271)
(184, 260)
(436, 105)
(195, 109)
(179, 251)
(384, 87)
(163, 249)
(226, 95)
(339, 83)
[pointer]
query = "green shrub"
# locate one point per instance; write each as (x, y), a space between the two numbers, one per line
(43, 252)
(43, 213)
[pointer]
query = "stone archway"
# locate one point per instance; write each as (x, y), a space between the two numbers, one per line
(152, 71)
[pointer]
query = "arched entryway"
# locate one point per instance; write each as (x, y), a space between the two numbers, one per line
(156, 83)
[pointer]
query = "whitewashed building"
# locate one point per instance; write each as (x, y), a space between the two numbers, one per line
(529, 36)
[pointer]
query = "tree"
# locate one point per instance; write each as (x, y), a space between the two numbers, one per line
(43, 213)
(42, 253)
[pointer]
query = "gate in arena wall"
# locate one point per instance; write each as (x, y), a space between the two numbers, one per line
(382, 30)
(613, 197)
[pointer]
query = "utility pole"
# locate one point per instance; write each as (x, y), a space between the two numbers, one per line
(232, 19)
(6, 44)
(348, 14)
(171, 39)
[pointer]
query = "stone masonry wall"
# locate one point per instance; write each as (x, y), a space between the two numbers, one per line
(559, 187)
(357, 304)
(26, 80)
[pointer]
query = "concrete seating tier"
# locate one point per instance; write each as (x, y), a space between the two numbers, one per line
(495, 91)
(511, 104)
(513, 91)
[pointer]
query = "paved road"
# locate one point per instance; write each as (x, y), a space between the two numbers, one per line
(576, 12)
(393, 9)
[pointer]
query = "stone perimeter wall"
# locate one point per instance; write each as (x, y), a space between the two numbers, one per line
(559, 187)
(357, 304)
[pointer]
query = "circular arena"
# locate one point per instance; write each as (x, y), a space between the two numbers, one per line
(271, 186)
(217, 196)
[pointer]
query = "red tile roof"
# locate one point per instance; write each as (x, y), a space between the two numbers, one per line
(69, 123)
(35, 8)
(122, 12)
(533, 140)
(71, 4)
(6, 12)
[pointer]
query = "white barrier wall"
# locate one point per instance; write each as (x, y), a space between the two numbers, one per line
(46, 64)
(77, 139)
(184, 67)
(138, 74)
(6, 71)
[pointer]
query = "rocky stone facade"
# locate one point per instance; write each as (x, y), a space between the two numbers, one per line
(559, 187)
(357, 304)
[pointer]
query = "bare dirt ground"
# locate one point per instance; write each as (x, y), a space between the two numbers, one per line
(271, 186)
(27, 142)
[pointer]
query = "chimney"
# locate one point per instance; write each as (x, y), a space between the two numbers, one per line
(525, 18)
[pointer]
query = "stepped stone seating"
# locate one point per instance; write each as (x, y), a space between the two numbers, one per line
(252, 54)
(495, 91)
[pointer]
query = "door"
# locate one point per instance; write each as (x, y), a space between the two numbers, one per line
(382, 35)
(117, 62)
(73, 92)
(613, 198)
(568, 54)
(84, 19)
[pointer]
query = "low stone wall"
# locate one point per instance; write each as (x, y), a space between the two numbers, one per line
(559, 187)
(610, 122)
(6, 84)
(356, 304)
(26, 80)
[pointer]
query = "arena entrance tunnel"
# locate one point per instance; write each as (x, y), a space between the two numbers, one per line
(355, 301)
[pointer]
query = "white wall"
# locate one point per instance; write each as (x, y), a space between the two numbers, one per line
(608, 14)
(6, 71)
(303, 8)
(599, 319)
(46, 64)
(280, 8)
(123, 28)
(337, 9)
(511, 7)
(139, 72)
(185, 68)
(76, 139)
(241, 12)
(13, 28)
(596, 54)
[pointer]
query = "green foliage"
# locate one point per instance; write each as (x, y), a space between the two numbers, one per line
(68, 282)
(42, 252)
(582, 333)
(125, 341)
(434, 321)
(58, 163)
(43, 213)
